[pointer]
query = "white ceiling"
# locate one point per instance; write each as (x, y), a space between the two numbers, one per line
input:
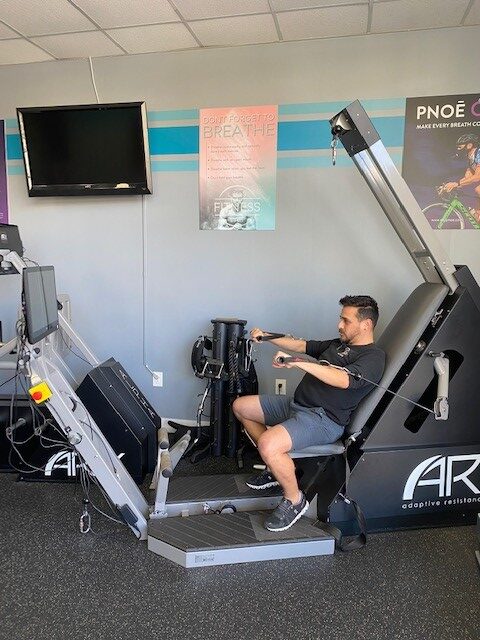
(37, 30)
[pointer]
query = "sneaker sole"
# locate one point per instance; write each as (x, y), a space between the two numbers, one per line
(263, 486)
(307, 504)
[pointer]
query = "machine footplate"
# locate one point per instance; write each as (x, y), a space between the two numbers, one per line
(230, 538)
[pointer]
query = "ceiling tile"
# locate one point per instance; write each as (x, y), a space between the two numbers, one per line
(287, 5)
(235, 31)
(125, 13)
(474, 14)
(39, 17)
(197, 9)
(20, 51)
(323, 23)
(79, 45)
(159, 37)
(5, 32)
(402, 15)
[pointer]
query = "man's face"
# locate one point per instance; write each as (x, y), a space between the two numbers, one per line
(350, 327)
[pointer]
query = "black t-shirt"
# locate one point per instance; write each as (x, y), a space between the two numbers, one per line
(367, 360)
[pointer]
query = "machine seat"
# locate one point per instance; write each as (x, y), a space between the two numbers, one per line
(317, 451)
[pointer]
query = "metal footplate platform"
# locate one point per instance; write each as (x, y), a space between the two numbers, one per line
(231, 538)
(191, 495)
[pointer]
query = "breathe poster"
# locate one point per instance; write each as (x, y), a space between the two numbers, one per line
(238, 162)
(3, 177)
(441, 158)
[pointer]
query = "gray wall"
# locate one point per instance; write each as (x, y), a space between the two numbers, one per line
(331, 237)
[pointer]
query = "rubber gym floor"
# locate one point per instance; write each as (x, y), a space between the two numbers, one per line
(58, 583)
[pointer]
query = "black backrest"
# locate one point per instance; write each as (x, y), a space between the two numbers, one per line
(398, 340)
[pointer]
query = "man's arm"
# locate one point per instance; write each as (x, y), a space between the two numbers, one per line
(288, 343)
(469, 178)
(329, 375)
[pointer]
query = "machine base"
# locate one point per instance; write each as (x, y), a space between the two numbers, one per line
(231, 538)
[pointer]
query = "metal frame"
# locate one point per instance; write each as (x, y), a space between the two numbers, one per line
(45, 364)
(355, 130)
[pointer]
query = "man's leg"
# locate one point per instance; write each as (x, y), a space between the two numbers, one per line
(249, 411)
(273, 446)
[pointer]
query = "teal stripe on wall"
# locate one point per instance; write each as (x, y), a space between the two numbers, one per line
(175, 165)
(297, 135)
(323, 162)
(334, 107)
(14, 148)
(315, 134)
(15, 170)
(173, 140)
(179, 114)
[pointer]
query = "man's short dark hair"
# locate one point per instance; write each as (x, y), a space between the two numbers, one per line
(367, 308)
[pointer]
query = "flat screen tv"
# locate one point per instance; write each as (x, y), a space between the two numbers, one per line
(90, 149)
(39, 302)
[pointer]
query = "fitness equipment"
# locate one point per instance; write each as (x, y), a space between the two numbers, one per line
(402, 466)
(230, 373)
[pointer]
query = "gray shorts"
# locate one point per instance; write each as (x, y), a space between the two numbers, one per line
(307, 426)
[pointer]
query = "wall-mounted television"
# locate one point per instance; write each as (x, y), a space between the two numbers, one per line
(90, 149)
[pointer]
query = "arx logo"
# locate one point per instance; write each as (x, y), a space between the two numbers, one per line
(66, 460)
(446, 471)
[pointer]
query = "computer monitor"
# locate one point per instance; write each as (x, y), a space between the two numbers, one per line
(39, 302)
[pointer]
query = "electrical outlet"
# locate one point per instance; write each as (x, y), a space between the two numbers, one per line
(158, 378)
(280, 387)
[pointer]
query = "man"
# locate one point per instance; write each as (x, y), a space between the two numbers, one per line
(468, 146)
(321, 406)
(234, 216)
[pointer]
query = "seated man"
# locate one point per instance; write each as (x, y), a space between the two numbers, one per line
(321, 406)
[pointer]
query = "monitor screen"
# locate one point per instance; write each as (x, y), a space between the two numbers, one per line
(99, 149)
(39, 302)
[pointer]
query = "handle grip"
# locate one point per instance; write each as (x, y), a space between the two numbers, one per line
(270, 336)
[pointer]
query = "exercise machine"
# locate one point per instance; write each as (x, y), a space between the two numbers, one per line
(410, 456)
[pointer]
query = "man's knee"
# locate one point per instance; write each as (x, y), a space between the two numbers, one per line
(239, 406)
(248, 408)
(271, 444)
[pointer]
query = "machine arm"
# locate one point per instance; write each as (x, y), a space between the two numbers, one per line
(355, 130)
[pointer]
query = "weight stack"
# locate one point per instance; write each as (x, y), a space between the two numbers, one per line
(225, 426)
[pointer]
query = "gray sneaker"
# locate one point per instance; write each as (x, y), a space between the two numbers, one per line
(286, 514)
(263, 480)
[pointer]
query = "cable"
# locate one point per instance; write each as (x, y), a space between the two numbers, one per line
(70, 349)
(355, 376)
(93, 79)
(9, 380)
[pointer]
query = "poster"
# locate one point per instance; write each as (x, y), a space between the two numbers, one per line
(441, 159)
(237, 172)
(3, 177)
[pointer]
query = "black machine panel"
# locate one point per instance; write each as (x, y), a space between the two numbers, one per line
(21, 409)
(430, 485)
(122, 417)
(456, 334)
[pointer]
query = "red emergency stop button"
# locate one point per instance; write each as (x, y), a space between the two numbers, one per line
(40, 392)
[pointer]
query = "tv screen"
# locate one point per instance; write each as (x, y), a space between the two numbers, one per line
(39, 302)
(94, 149)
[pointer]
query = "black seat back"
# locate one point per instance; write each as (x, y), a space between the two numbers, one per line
(398, 340)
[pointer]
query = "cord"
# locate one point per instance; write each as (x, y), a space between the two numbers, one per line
(70, 349)
(93, 79)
